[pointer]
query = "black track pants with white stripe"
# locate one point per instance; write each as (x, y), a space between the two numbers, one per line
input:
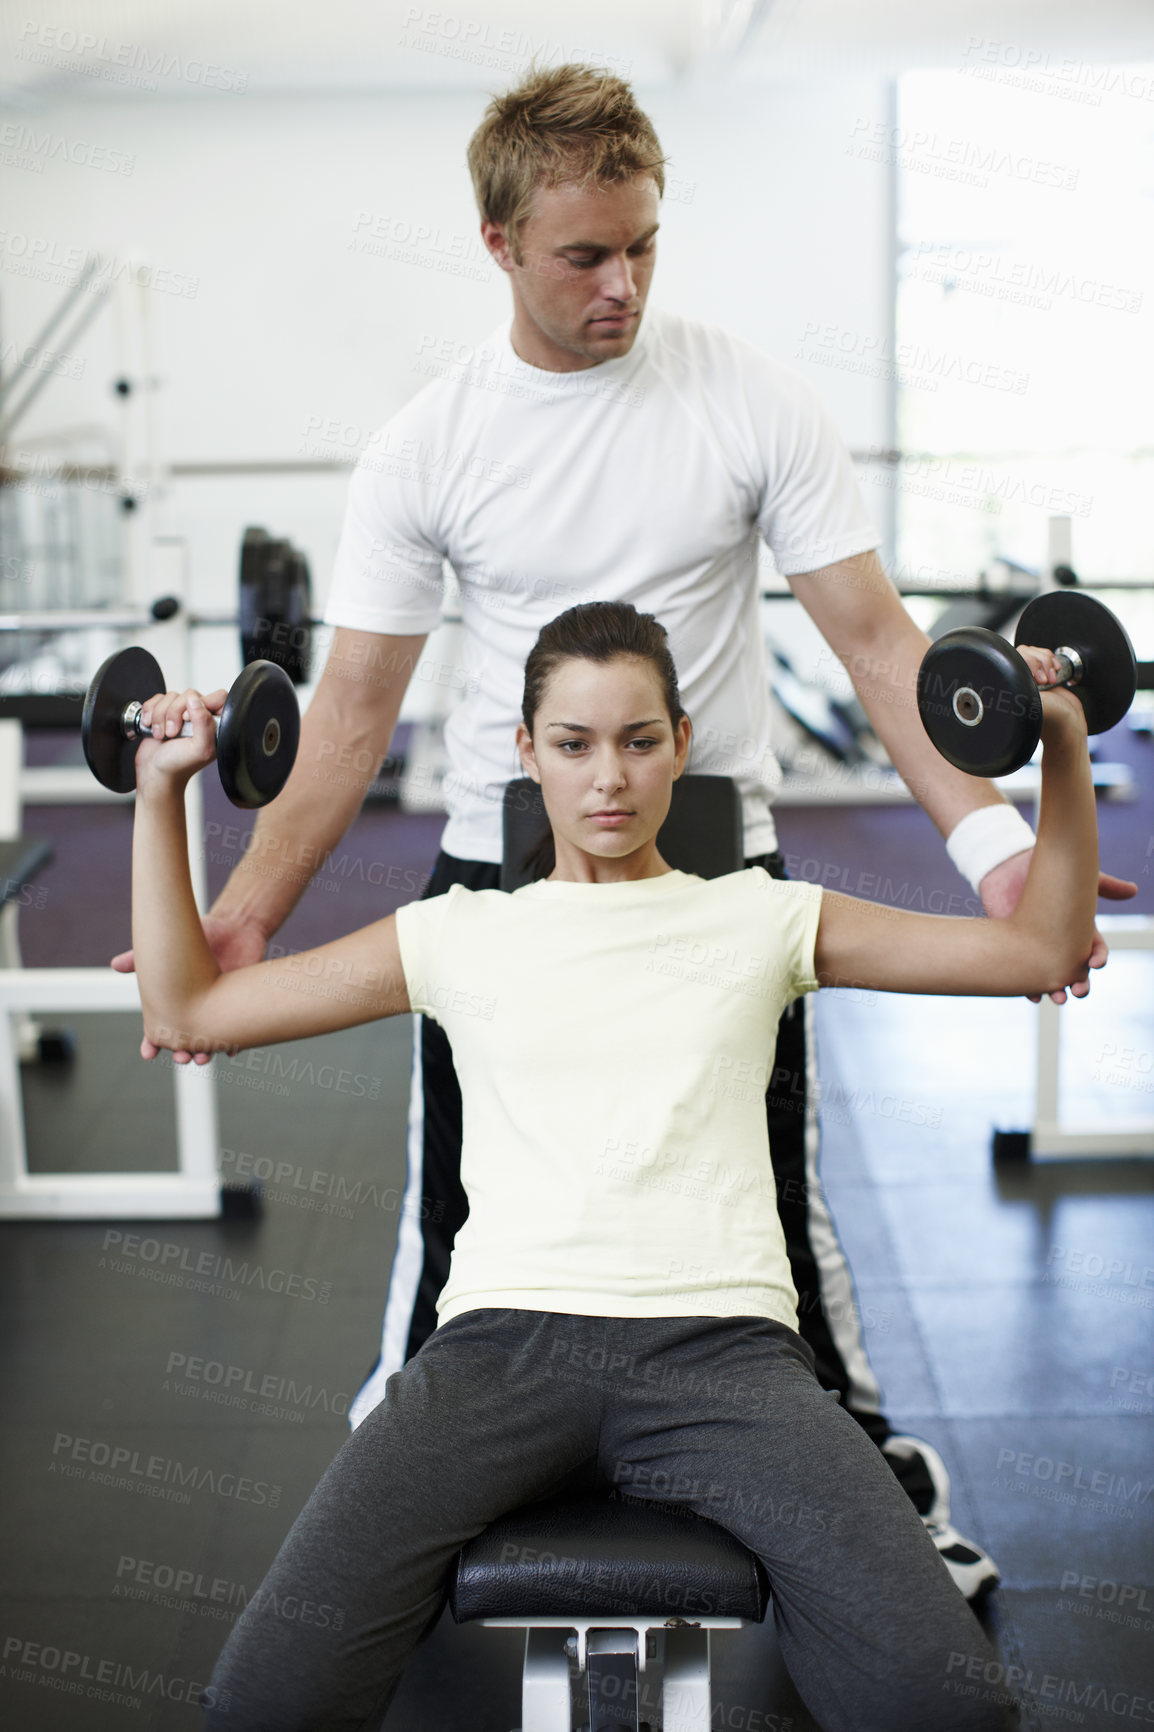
(435, 1205)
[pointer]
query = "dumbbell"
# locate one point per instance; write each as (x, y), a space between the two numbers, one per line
(257, 732)
(980, 703)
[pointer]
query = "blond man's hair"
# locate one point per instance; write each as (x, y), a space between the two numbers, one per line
(570, 124)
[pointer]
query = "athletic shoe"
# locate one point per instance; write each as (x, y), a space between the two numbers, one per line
(925, 1479)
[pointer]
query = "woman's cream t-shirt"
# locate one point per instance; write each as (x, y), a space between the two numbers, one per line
(613, 1044)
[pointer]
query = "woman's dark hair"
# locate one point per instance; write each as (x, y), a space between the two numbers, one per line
(596, 631)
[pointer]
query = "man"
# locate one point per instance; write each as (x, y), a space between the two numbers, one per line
(592, 449)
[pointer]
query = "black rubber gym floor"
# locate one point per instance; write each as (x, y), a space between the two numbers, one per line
(1007, 1315)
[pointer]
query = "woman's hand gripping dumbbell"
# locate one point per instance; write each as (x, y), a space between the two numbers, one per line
(255, 740)
(980, 698)
(255, 745)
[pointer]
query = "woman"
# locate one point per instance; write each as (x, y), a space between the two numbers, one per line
(622, 1208)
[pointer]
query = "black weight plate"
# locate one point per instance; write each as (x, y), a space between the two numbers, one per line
(128, 676)
(1008, 722)
(260, 728)
(1067, 618)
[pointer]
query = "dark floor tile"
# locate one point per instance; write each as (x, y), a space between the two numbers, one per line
(1056, 1495)
(941, 1231)
(1035, 1351)
(1084, 1660)
(127, 1672)
(93, 1490)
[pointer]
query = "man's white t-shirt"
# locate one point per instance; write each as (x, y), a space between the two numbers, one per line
(645, 479)
(613, 1044)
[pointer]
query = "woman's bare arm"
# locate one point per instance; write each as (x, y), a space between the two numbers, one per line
(189, 1004)
(1043, 946)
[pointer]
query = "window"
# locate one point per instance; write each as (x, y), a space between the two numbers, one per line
(1025, 318)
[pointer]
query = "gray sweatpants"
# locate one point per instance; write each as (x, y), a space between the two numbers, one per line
(722, 1415)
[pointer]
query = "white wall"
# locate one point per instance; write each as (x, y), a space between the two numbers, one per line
(278, 312)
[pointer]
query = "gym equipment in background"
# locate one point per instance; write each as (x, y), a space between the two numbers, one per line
(273, 611)
(839, 726)
(275, 605)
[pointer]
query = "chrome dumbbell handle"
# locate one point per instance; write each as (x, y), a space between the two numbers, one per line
(131, 728)
(1072, 665)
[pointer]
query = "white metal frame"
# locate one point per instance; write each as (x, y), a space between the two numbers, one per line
(1075, 1142)
(684, 1665)
(192, 1192)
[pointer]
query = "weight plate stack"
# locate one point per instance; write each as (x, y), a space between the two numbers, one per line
(275, 605)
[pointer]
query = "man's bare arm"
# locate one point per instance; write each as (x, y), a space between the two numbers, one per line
(863, 619)
(345, 735)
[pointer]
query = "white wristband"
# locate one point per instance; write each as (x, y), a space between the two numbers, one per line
(985, 838)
